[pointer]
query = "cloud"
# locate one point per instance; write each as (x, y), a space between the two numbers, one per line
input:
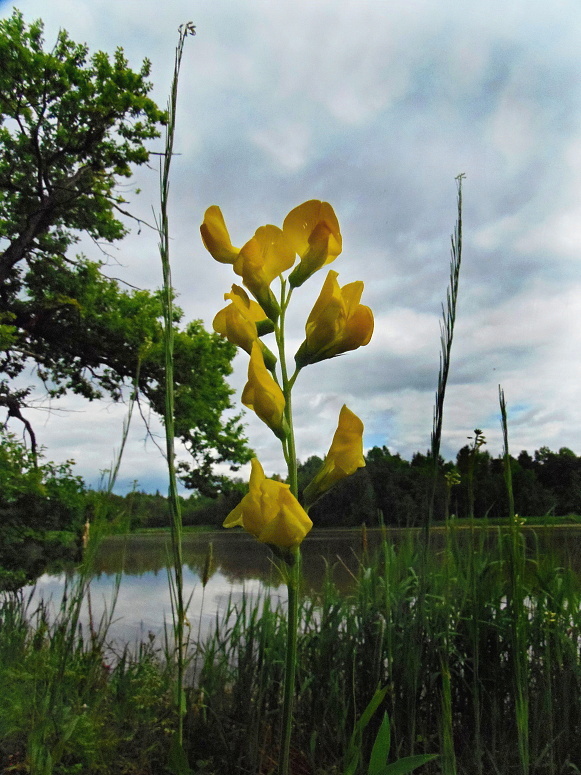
(374, 107)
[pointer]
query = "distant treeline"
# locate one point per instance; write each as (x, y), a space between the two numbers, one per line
(399, 491)
(44, 507)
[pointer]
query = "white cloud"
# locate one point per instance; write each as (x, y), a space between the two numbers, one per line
(288, 144)
(374, 107)
(404, 332)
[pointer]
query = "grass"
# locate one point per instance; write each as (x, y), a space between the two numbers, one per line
(67, 706)
(481, 522)
(90, 711)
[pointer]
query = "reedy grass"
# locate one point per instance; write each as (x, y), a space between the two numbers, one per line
(446, 340)
(517, 605)
(348, 645)
(53, 667)
(70, 709)
(420, 626)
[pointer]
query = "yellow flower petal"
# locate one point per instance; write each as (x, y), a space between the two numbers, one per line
(313, 231)
(239, 321)
(344, 457)
(266, 256)
(235, 327)
(270, 512)
(263, 395)
(235, 517)
(290, 526)
(216, 238)
(250, 309)
(337, 322)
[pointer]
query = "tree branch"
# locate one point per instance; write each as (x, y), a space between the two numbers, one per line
(40, 221)
(14, 411)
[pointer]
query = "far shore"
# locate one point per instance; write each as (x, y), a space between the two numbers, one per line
(568, 522)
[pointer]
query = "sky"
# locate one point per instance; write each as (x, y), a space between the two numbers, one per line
(374, 106)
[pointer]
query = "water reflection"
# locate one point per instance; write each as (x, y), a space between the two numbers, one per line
(241, 567)
(237, 556)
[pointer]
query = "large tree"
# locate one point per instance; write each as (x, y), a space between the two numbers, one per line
(71, 126)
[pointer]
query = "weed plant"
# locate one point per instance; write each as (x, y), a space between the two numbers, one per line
(70, 706)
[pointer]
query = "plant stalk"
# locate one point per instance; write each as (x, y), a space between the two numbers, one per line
(293, 582)
(178, 607)
(293, 570)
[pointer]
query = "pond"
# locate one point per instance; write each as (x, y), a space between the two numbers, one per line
(242, 566)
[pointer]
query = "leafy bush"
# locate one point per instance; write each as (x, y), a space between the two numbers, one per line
(42, 511)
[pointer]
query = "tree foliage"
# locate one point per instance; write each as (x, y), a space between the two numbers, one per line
(398, 490)
(71, 126)
(36, 499)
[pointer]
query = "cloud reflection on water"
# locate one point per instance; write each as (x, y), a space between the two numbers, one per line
(243, 569)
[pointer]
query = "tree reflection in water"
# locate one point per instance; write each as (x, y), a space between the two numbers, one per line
(241, 567)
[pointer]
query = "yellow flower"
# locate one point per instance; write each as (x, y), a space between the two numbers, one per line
(242, 322)
(263, 258)
(216, 238)
(313, 231)
(337, 323)
(263, 395)
(270, 512)
(344, 457)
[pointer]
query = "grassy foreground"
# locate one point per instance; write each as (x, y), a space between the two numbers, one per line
(478, 644)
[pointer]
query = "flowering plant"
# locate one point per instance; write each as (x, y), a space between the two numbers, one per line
(337, 323)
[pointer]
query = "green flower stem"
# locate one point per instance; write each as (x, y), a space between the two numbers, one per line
(290, 453)
(292, 380)
(293, 578)
(294, 566)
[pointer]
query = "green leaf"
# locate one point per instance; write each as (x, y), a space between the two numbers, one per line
(178, 761)
(367, 714)
(354, 750)
(408, 764)
(380, 750)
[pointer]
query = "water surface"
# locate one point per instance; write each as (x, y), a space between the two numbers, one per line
(136, 566)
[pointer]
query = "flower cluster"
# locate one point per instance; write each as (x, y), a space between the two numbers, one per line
(337, 323)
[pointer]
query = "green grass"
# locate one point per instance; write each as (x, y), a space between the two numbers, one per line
(535, 521)
(167, 530)
(69, 705)
(484, 522)
(66, 697)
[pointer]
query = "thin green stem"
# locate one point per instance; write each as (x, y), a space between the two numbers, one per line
(293, 379)
(516, 605)
(178, 607)
(293, 579)
(290, 455)
(293, 567)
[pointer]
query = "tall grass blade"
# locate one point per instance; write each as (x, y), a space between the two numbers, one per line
(446, 339)
(356, 742)
(408, 764)
(380, 750)
(518, 608)
(178, 609)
